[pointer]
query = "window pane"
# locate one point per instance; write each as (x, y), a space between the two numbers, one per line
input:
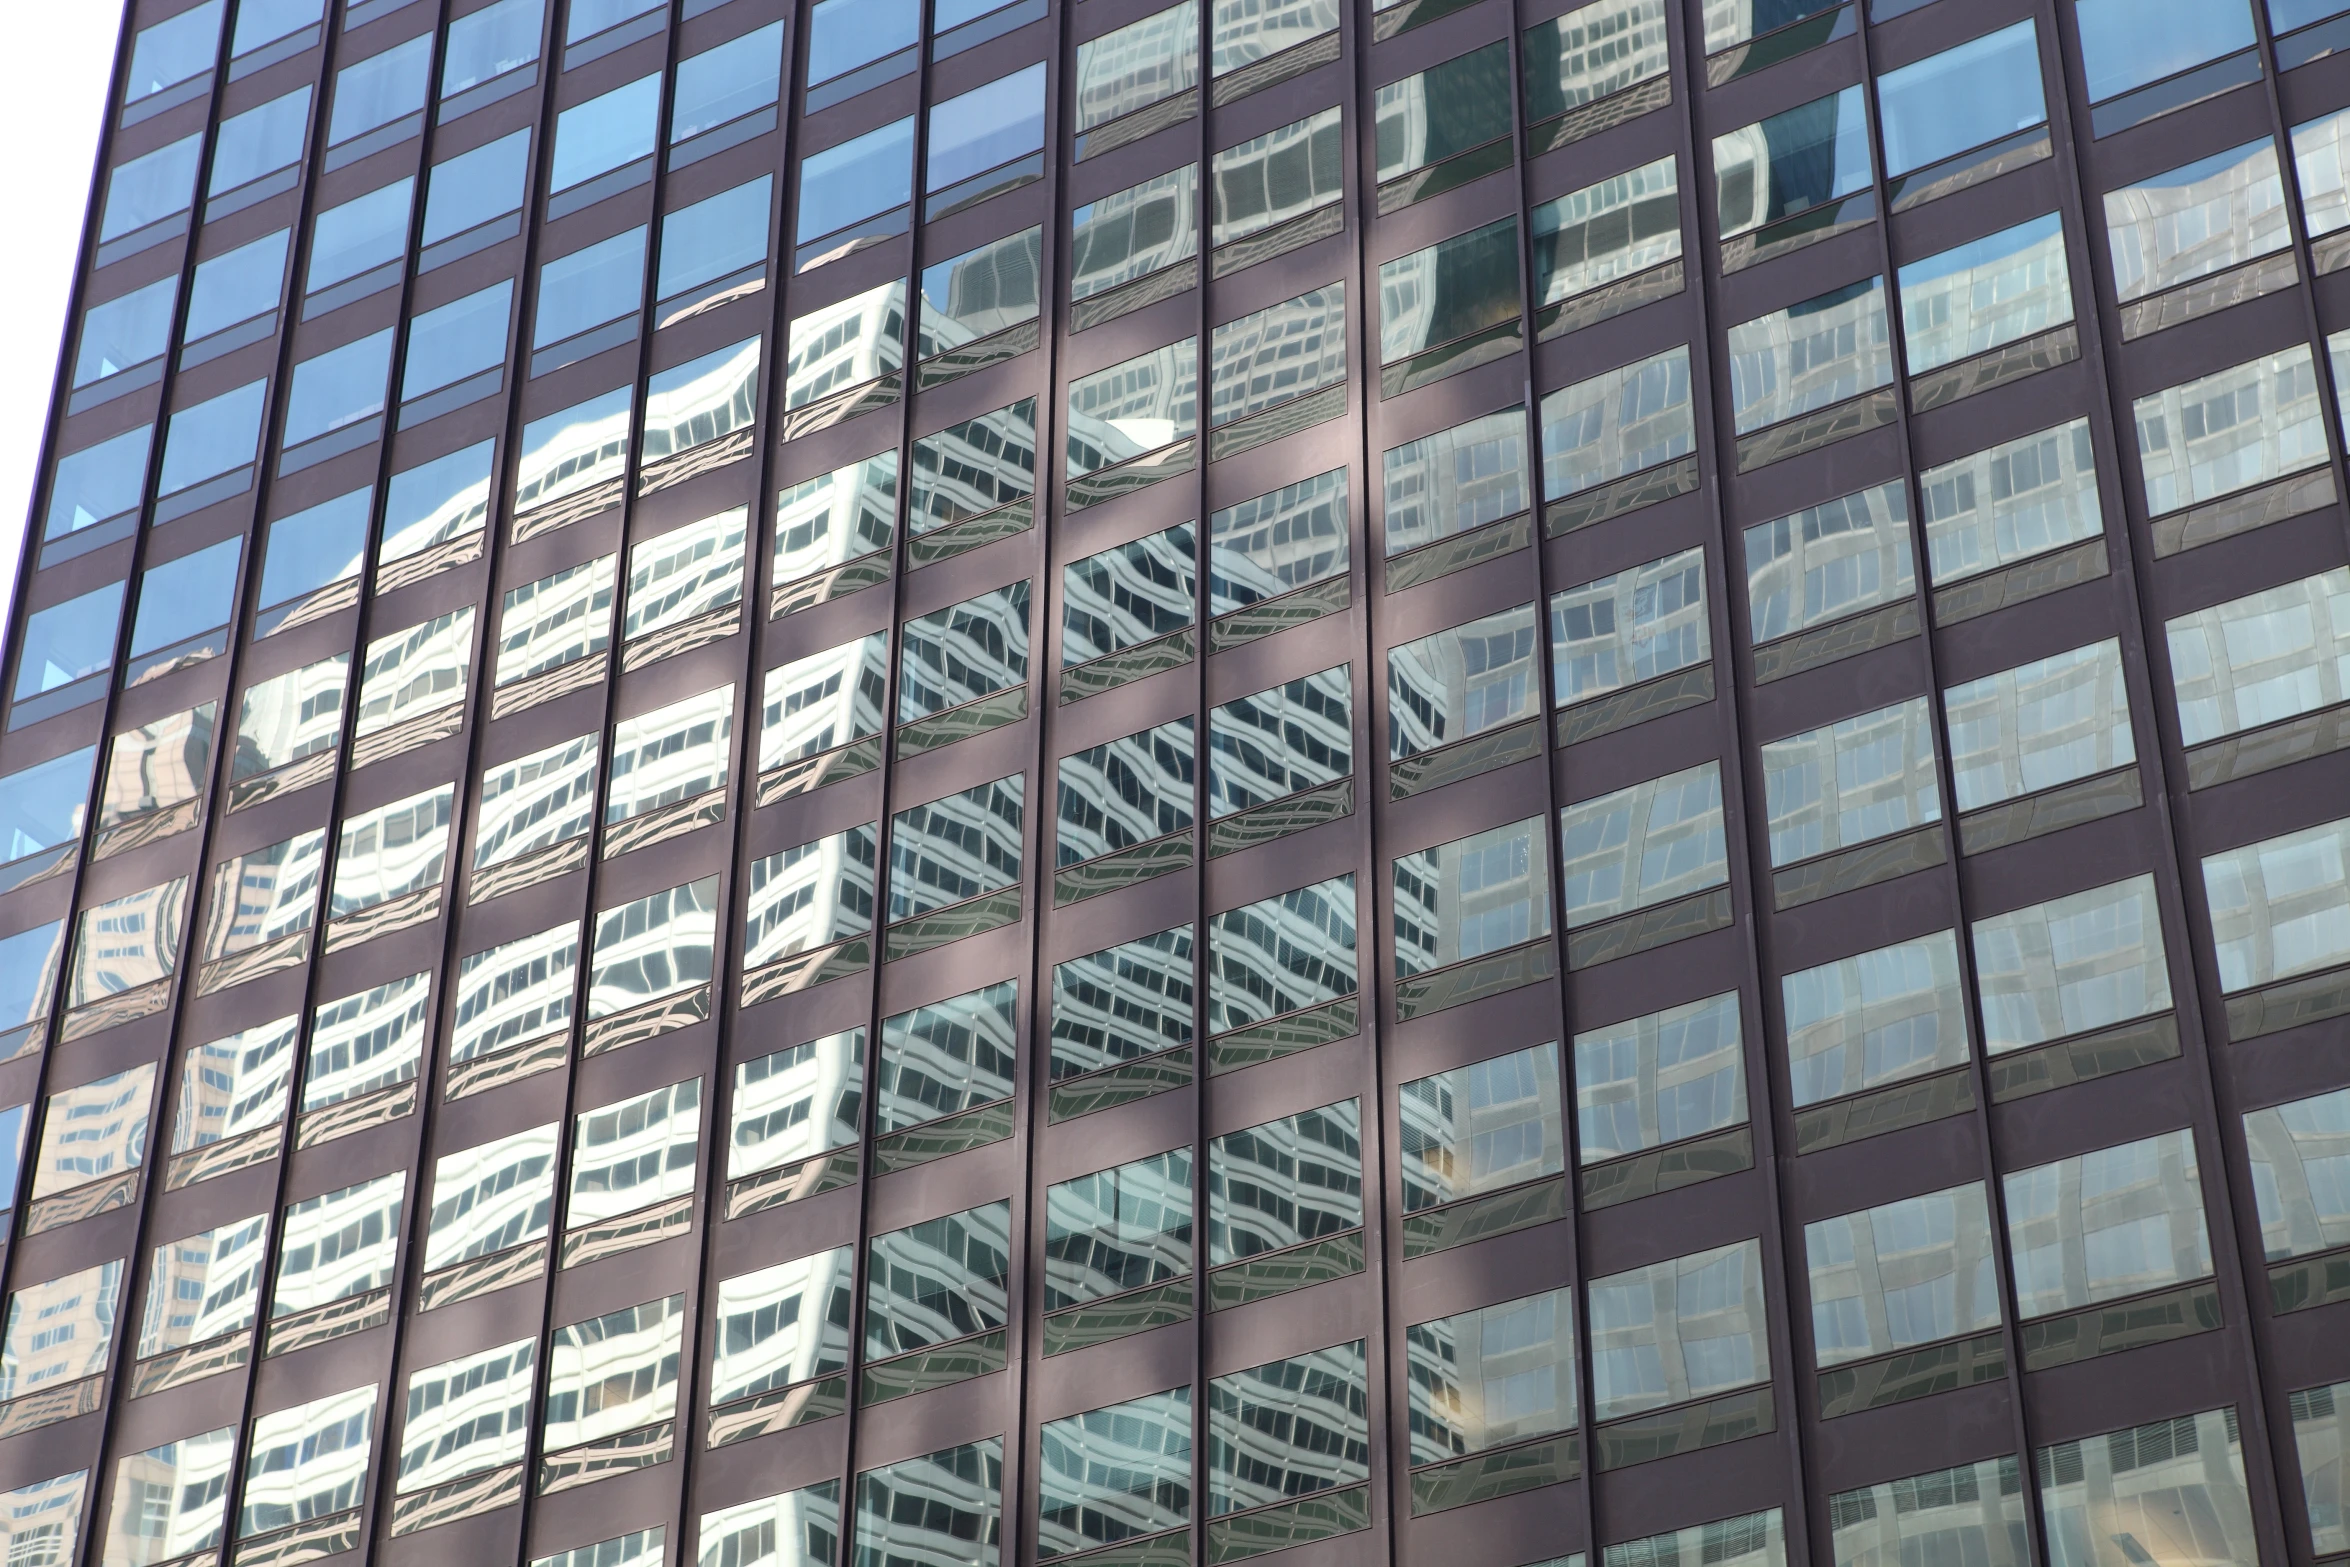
(1456, 287)
(1676, 1331)
(60, 1331)
(265, 21)
(125, 331)
(1135, 65)
(164, 762)
(937, 1281)
(307, 1462)
(45, 805)
(2321, 157)
(94, 1132)
(782, 1325)
(474, 187)
(367, 1040)
(1449, 108)
(945, 1506)
(1290, 737)
(642, 1547)
(1455, 480)
(949, 850)
(1129, 594)
(573, 449)
(1124, 792)
(1975, 1511)
(947, 1057)
(2230, 430)
(1481, 1128)
(182, 599)
(1796, 160)
(1590, 52)
(963, 652)
(262, 140)
(2192, 221)
(1461, 683)
(836, 517)
(872, 173)
(971, 468)
(361, 234)
(1481, 1379)
(171, 1501)
(264, 894)
(392, 850)
(632, 1154)
(1266, 545)
(338, 388)
(1642, 846)
(2147, 1483)
(2280, 907)
(727, 82)
(2103, 1225)
(467, 1415)
(810, 896)
(1272, 178)
(339, 1245)
(173, 50)
(2128, 43)
(491, 1197)
(1884, 1016)
(858, 340)
(1984, 89)
(587, 18)
(1617, 424)
(315, 548)
(99, 483)
(234, 286)
(149, 189)
(1277, 353)
(1282, 954)
(2321, 1440)
(1241, 35)
(2010, 502)
(1287, 1429)
(461, 338)
(1114, 1474)
(2042, 724)
(490, 42)
(1997, 289)
(548, 623)
(1822, 351)
(2300, 1157)
(1756, 1540)
(1630, 627)
(796, 1103)
(985, 128)
(702, 400)
(1285, 1182)
(211, 438)
(1133, 232)
(234, 1085)
(1146, 403)
(127, 941)
(671, 754)
(613, 1373)
(824, 701)
(1606, 231)
(2262, 658)
(604, 133)
(1117, 1230)
(590, 287)
(1659, 1079)
(1851, 782)
(1474, 895)
(794, 1529)
(980, 292)
(2072, 964)
(416, 671)
(686, 573)
(654, 946)
(29, 962)
(1902, 1274)
(714, 238)
(844, 34)
(380, 89)
(1122, 1003)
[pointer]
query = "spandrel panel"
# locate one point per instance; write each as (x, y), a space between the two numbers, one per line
(939, 1280)
(1123, 792)
(1294, 736)
(1883, 1016)
(782, 1325)
(1675, 1331)
(1902, 1274)
(1660, 1078)
(1482, 1127)
(490, 1197)
(635, 1153)
(204, 1286)
(1282, 954)
(1285, 1182)
(823, 701)
(612, 1373)
(1118, 1229)
(338, 1245)
(1123, 1002)
(811, 895)
(369, 1039)
(947, 1057)
(1485, 1378)
(796, 1103)
(235, 1084)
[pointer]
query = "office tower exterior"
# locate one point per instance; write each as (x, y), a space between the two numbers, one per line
(1461, 782)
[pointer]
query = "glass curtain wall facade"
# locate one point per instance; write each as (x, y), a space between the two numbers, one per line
(1503, 783)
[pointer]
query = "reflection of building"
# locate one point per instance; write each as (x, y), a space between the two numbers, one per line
(515, 992)
(1285, 173)
(1279, 741)
(974, 467)
(1134, 231)
(783, 1325)
(1475, 895)
(127, 942)
(367, 1040)
(60, 1331)
(491, 1197)
(810, 896)
(796, 1103)
(1139, 406)
(1129, 595)
(947, 1057)
(836, 517)
(1288, 1181)
(1138, 64)
(1485, 1126)
(1282, 954)
(234, 1085)
(823, 701)
(339, 1245)
(1284, 539)
(964, 652)
(858, 340)
(1119, 1229)
(264, 894)
(204, 1287)
(1121, 1002)
(1287, 1428)
(535, 802)
(979, 293)
(169, 1501)
(653, 946)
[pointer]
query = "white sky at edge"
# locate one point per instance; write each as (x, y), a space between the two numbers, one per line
(52, 104)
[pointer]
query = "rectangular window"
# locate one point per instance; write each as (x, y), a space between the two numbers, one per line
(1589, 238)
(937, 1281)
(653, 947)
(2041, 724)
(1455, 289)
(613, 1373)
(796, 1103)
(2321, 1441)
(1803, 158)
(587, 288)
(307, 1462)
(1285, 1182)
(1118, 1230)
(1282, 954)
(974, 467)
(2104, 1225)
(45, 806)
(2321, 159)
(546, 624)
(573, 449)
(1111, 1475)
(1475, 895)
(1756, 1540)
(1592, 52)
(29, 963)
(234, 1085)
(2071, 965)
(1481, 1128)
(1984, 90)
(1145, 404)
(1124, 792)
(1883, 1016)
(1137, 65)
(124, 332)
(1455, 480)
(1675, 1331)
(266, 21)
(963, 652)
(145, 191)
(515, 992)
(162, 763)
(860, 340)
(2126, 44)
(847, 514)
(591, 18)
(983, 291)
(1270, 544)
(1997, 289)
(953, 849)
(1123, 1003)
(1280, 741)
(781, 1326)
(1851, 782)
(824, 701)
(1285, 173)
(670, 755)
(2010, 502)
(1976, 1510)
(338, 388)
(128, 941)
(338, 1245)
(461, 338)
(2139, 1481)
(1444, 110)
(844, 34)
(185, 606)
(171, 1501)
(843, 186)
(60, 1331)
(309, 552)
(1277, 353)
(2200, 218)
(1287, 1429)
(259, 142)
(2300, 1156)
(1902, 1274)
(1810, 355)
(686, 573)
(739, 77)
(381, 91)
(94, 1132)
(1486, 1378)
(1134, 232)
(101, 483)
(715, 242)
(416, 671)
(1617, 424)
(364, 235)
(982, 132)
(476, 187)
(1129, 594)
(606, 133)
(701, 401)
(943, 1506)
(811, 895)
(2230, 430)
(367, 1040)
(804, 1523)
(1241, 36)
(2262, 658)
(264, 894)
(488, 43)
(467, 1415)
(1629, 627)
(2280, 907)
(172, 51)
(947, 1057)
(535, 801)
(213, 439)
(633, 1154)
(1642, 846)
(392, 851)
(1660, 1079)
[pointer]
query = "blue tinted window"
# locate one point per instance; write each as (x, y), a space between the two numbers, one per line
(213, 437)
(360, 235)
(985, 127)
(590, 17)
(262, 140)
(721, 84)
(184, 597)
(338, 387)
(844, 34)
(2128, 43)
(69, 641)
(437, 500)
(949, 14)
(476, 186)
(380, 89)
(266, 21)
(856, 179)
(723, 234)
(2285, 15)
(604, 133)
(590, 287)
(149, 189)
(172, 51)
(98, 482)
(463, 337)
(124, 332)
(237, 285)
(492, 41)
(12, 1129)
(28, 969)
(40, 808)
(312, 548)
(1978, 92)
